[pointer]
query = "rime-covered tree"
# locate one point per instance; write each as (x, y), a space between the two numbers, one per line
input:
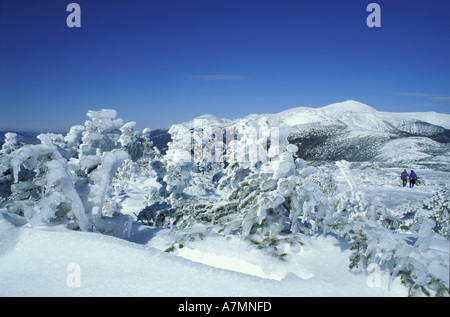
(11, 143)
(438, 209)
(268, 199)
(42, 187)
(273, 199)
(66, 177)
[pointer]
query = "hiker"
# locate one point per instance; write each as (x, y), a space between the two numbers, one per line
(404, 177)
(412, 179)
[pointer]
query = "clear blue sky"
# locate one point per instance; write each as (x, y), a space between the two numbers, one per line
(159, 62)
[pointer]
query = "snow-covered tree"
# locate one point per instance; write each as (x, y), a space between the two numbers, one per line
(73, 139)
(178, 162)
(11, 143)
(102, 132)
(438, 209)
(6, 170)
(325, 181)
(43, 188)
(173, 173)
(100, 156)
(67, 178)
(372, 229)
(268, 199)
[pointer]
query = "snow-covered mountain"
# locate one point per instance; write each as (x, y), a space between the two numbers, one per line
(354, 131)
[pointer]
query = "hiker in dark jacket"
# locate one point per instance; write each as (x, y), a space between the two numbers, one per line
(412, 179)
(404, 177)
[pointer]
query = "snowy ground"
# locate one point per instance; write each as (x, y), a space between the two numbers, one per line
(44, 262)
(55, 261)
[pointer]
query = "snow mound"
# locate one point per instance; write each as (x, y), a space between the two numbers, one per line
(42, 260)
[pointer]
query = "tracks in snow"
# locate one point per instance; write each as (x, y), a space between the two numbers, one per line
(344, 166)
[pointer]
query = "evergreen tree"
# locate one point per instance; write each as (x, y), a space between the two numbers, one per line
(438, 209)
(375, 242)
(269, 200)
(11, 143)
(54, 181)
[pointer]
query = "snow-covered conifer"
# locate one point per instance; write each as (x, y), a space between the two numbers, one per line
(62, 178)
(178, 162)
(11, 143)
(325, 181)
(375, 242)
(268, 195)
(73, 137)
(438, 209)
(101, 132)
(43, 189)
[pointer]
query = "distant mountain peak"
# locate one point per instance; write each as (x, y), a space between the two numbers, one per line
(348, 106)
(205, 120)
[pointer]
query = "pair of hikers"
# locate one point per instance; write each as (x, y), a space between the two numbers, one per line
(412, 178)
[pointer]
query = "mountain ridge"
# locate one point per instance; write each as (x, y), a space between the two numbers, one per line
(354, 131)
(348, 130)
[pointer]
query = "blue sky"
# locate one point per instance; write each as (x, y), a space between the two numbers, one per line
(167, 61)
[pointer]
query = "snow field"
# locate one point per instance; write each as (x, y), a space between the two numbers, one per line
(108, 267)
(35, 262)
